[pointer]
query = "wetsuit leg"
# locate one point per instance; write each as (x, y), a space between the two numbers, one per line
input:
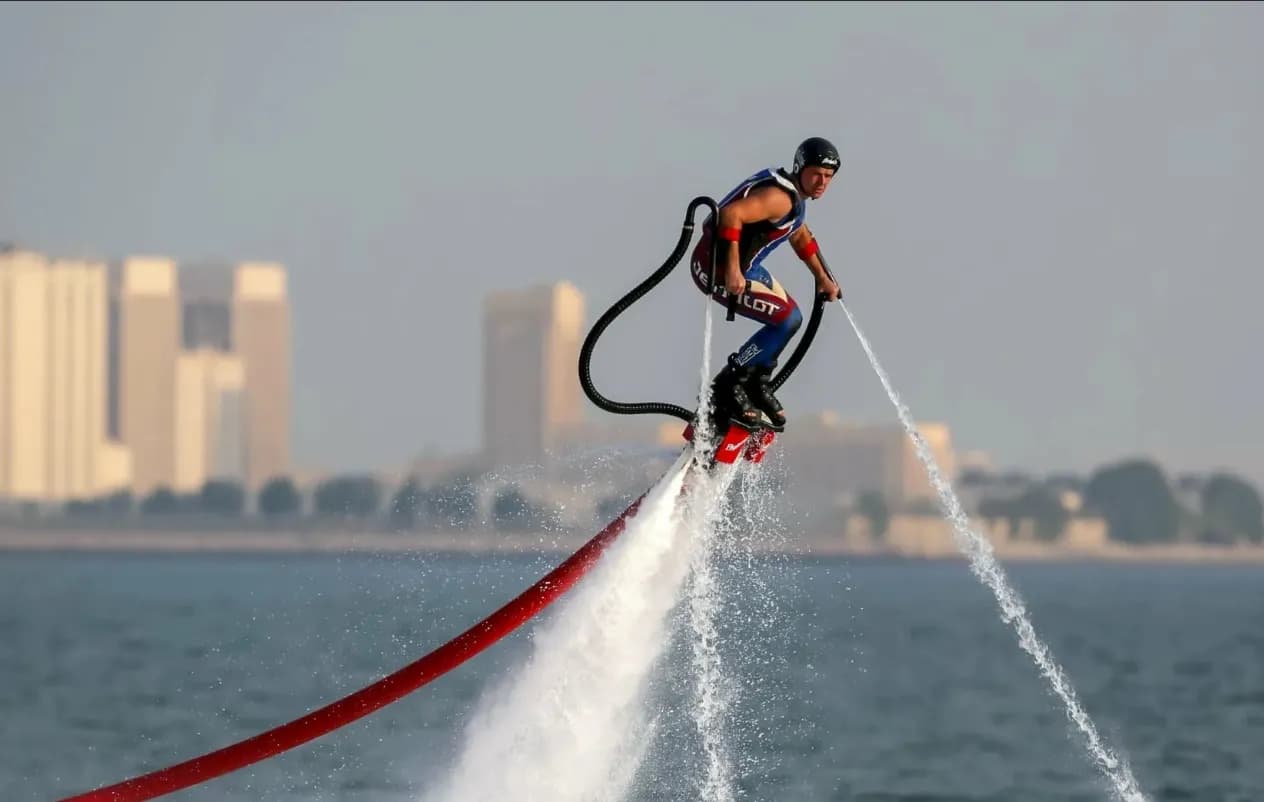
(745, 381)
(770, 304)
(767, 302)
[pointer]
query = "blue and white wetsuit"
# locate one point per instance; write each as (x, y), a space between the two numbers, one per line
(767, 301)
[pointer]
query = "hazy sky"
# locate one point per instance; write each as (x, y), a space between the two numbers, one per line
(1049, 222)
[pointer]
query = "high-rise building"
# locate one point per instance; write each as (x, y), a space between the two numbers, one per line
(531, 392)
(76, 391)
(244, 311)
(206, 307)
(53, 387)
(210, 419)
(144, 345)
(260, 336)
(23, 374)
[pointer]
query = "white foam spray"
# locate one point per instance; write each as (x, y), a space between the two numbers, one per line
(985, 566)
(714, 692)
(562, 727)
(704, 434)
(571, 724)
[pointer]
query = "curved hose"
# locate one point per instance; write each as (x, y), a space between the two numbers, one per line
(637, 292)
(805, 342)
(809, 334)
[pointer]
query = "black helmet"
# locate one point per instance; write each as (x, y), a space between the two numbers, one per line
(816, 152)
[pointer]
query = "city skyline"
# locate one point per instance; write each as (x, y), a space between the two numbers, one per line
(128, 375)
(1044, 220)
(176, 346)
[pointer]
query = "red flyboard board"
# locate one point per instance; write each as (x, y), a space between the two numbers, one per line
(732, 446)
(758, 446)
(737, 442)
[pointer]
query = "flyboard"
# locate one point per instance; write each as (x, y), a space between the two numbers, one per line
(729, 442)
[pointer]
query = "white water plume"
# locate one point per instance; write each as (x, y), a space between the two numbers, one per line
(571, 724)
(704, 434)
(712, 698)
(714, 691)
(986, 568)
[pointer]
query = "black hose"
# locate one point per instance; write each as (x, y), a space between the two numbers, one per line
(590, 342)
(637, 292)
(805, 342)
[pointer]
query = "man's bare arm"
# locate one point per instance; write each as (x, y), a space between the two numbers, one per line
(804, 244)
(801, 237)
(769, 203)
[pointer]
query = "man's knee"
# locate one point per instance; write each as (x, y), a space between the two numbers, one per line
(791, 321)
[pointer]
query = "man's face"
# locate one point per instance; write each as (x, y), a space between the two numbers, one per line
(815, 180)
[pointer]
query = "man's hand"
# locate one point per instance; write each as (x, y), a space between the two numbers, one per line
(734, 281)
(826, 285)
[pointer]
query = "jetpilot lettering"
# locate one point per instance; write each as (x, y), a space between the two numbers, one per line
(746, 356)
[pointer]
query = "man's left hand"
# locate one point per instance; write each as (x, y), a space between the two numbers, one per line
(829, 288)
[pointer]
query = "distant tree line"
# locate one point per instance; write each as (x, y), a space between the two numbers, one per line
(873, 507)
(1135, 498)
(452, 503)
(1140, 505)
(1038, 503)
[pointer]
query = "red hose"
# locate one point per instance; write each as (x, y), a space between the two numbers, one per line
(381, 693)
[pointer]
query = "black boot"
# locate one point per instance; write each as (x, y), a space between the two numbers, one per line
(759, 390)
(730, 400)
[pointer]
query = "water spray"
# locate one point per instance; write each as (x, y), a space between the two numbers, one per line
(984, 565)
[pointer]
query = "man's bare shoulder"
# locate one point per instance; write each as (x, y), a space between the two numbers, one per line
(771, 200)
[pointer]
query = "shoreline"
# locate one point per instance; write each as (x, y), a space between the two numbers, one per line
(513, 543)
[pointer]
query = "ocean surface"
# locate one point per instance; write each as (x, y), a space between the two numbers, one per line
(848, 680)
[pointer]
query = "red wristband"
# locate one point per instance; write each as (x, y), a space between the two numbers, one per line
(731, 234)
(808, 250)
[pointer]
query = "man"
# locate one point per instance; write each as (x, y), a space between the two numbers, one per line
(760, 214)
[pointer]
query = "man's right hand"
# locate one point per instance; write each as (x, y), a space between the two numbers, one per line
(829, 288)
(734, 281)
